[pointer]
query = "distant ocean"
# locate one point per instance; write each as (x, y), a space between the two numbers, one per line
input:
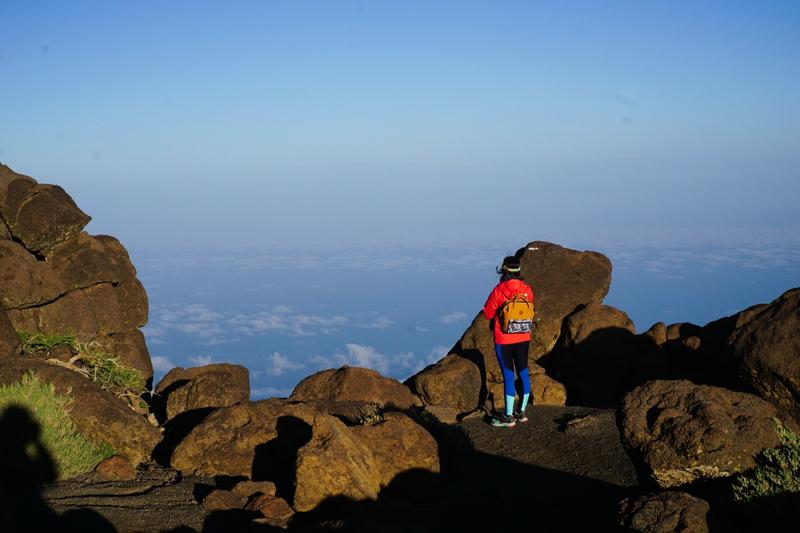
(286, 314)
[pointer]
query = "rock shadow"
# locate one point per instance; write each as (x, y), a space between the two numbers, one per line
(275, 460)
(175, 430)
(25, 465)
(601, 369)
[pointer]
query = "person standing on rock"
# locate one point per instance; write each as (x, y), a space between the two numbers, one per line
(511, 336)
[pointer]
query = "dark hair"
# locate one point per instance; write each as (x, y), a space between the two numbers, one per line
(509, 263)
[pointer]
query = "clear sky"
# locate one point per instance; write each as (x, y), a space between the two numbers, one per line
(405, 123)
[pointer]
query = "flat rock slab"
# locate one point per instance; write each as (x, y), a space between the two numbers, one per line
(563, 470)
(578, 441)
(157, 500)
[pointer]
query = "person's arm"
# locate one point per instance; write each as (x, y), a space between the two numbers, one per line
(493, 303)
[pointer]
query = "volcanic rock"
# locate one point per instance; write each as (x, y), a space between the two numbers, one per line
(56, 279)
(399, 444)
(115, 468)
(272, 507)
(335, 462)
(353, 384)
(249, 488)
(9, 340)
(599, 357)
(216, 385)
(223, 500)
(97, 414)
(39, 216)
(454, 381)
(250, 439)
(766, 350)
(683, 432)
(664, 512)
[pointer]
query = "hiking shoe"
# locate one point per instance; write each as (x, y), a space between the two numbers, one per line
(520, 416)
(503, 421)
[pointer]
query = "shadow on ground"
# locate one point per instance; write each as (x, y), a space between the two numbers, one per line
(25, 466)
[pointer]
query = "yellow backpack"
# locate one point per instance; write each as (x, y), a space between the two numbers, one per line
(516, 315)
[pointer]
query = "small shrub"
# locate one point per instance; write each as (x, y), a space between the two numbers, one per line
(89, 359)
(369, 413)
(108, 372)
(71, 452)
(777, 470)
(36, 343)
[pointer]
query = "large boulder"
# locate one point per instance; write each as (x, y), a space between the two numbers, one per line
(454, 381)
(398, 444)
(216, 385)
(664, 512)
(683, 432)
(251, 439)
(562, 279)
(353, 384)
(57, 279)
(599, 357)
(9, 340)
(335, 462)
(97, 414)
(39, 216)
(766, 350)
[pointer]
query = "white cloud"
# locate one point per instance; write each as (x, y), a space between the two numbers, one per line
(279, 364)
(201, 360)
(162, 365)
(357, 355)
(379, 323)
(286, 320)
(452, 318)
(399, 365)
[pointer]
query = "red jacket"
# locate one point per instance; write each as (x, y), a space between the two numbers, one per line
(505, 290)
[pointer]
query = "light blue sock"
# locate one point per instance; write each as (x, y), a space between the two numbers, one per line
(509, 405)
(524, 402)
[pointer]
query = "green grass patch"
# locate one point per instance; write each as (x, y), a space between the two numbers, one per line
(37, 343)
(777, 470)
(71, 452)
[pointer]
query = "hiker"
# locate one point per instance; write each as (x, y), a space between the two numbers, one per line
(510, 310)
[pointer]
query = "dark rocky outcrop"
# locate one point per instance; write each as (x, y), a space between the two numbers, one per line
(39, 216)
(664, 512)
(58, 279)
(598, 356)
(766, 352)
(97, 414)
(353, 384)
(682, 432)
(210, 386)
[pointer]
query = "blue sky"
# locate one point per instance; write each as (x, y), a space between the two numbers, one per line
(424, 118)
(234, 133)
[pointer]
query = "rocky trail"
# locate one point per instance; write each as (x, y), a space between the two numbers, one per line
(563, 470)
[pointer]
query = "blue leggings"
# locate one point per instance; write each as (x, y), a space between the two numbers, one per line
(510, 356)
